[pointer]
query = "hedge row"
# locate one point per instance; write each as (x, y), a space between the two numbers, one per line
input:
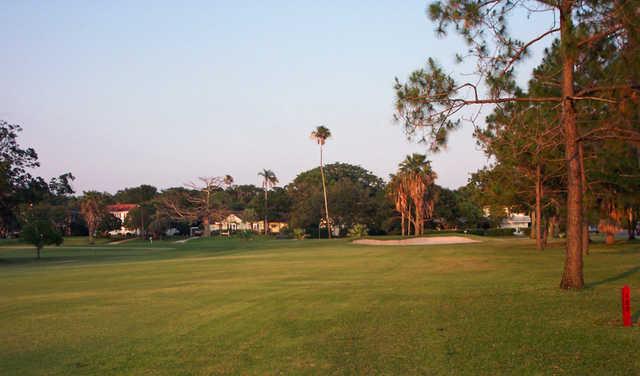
(490, 231)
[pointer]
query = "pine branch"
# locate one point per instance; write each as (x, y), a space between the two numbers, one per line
(515, 57)
(601, 35)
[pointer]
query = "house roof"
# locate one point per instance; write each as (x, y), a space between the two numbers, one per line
(121, 207)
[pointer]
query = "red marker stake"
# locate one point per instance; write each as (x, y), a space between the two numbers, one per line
(626, 306)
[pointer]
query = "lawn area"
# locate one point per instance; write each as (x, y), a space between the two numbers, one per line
(314, 307)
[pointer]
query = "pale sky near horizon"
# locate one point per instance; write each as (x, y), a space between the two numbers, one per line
(126, 93)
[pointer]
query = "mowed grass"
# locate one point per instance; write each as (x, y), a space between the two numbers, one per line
(314, 307)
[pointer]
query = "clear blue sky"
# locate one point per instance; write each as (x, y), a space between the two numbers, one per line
(123, 93)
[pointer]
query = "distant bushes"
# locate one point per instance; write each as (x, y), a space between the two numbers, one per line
(441, 232)
(489, 231)
(299, 233)
(358, 231)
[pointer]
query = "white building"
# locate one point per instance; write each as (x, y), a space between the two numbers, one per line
(233, 223)
(518, 221)
(514, 220)
(121, 211)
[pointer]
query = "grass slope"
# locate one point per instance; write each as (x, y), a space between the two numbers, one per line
(313, 307)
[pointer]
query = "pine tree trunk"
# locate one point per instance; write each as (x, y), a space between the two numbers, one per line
(539, 242)
(583, 179)
(402, 223)
(631, 224)
(545, 232)
(572, 277)
(324, 190)
(585, 239)
(533, 232)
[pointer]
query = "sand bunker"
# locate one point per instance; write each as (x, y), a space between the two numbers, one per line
(418, 241)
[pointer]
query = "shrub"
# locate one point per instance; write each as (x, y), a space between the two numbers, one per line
(474, 231)
(490, 231)
(358, 231)
(158, 227)
(299, 233)
(285, 233)
(500, 231)
(441, 232)
(245, 235)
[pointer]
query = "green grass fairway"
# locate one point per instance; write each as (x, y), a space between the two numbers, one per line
(314, 307)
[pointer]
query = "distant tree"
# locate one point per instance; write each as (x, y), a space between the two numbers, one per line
(93, 210)
(74, 223)
(107, 223)
(497, 191)
(15, 163)
(41, 232)
(136, 195)
(399, 195)
(269, 180)
(412, 190)
(355, 194)
(199, 203)
(249, 215)
(446, 213)
(158, 226)
(279, 207)
(61, 186)
(321, 134)
(62, 201)
(614, 182)
(140, 217)
(243, 196)
(421, 179)
(469, 211)
(19, 190)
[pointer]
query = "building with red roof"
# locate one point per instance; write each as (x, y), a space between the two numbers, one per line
(121, 211)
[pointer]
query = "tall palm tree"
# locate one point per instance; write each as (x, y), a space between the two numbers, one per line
(398, 195)
(418, 176)
(269, 180)
(320, 135)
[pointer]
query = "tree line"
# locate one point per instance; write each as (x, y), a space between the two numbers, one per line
(353, 196)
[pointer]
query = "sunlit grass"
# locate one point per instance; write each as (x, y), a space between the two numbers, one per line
(314, 307)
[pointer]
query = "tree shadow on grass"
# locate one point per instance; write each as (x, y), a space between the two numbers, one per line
(617, 251)
(614, 278)
(31, 260)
